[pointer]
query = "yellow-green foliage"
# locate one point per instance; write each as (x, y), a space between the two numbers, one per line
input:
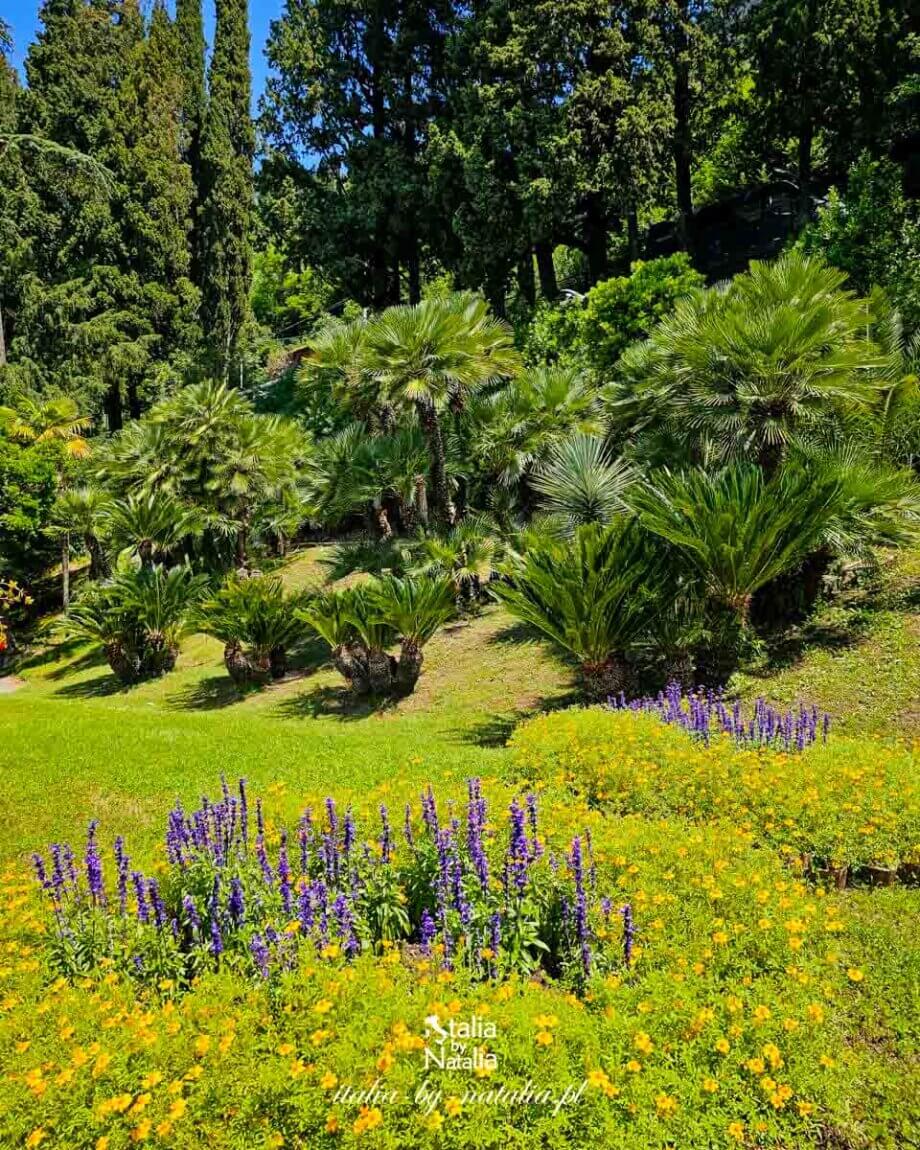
(727, 1029)
(850, 801)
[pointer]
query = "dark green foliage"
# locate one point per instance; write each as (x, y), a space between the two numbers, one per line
(227, 146)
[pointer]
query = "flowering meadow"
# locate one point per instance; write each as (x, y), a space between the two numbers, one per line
(651, 965)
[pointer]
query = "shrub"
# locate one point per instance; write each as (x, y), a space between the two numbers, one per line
(138, 618)
(28, 483)
(257, 624)
(624, 309)
(849, 803)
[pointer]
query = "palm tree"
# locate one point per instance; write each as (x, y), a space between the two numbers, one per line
(514, 430)
(748, 371)
(151, 526)
(358, 642)
(595, 595)
(583, 482)
(467, 554)
(415, 608)
(83, 510)
(429, 358)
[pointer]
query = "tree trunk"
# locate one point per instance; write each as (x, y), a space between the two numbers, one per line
(98, 560)
(242, 543)
(124, 663)
(431, 423)
(113, 409)
(2, 341)
(527, 285)
(65, 571)
(632, 233)
(380, 672)
(383, 522)
(409, 667)
(605, 680)
(595, 237)
(549, 285)
(806, 137)
(237, 664)
(277, 662)
(421, 500)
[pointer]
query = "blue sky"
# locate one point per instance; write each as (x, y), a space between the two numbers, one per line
(22, 16)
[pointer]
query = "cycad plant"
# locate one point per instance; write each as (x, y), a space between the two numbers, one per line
(415, 608)
(138, 618)
(81, 511)
(361, 623)
(257, 623)
(595, 595)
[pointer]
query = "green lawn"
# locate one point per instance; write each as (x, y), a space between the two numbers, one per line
(76, 745)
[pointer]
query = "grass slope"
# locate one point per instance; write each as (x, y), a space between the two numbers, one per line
(76, 745)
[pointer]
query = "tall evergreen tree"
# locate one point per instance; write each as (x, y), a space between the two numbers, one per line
(228, 143)
(191, 45)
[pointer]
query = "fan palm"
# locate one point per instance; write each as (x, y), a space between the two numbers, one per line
(582, 482)
(431, 356)
(747, 371)
(415, 608)
(467, 555)
(595, 595)
(82, 511)
(514, 429)
(55, 420)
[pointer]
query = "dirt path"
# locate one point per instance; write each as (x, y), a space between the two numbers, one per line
(9, 684)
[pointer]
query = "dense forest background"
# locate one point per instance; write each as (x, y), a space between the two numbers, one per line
(151, 233)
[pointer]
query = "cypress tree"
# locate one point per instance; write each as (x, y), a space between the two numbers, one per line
(191, 48)
(228, 142)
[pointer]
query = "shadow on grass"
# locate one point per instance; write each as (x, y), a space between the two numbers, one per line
(99, 688)
(331, 702)
(72, 655)
(494, 730)
(516, 633)
(210, 694)
(841, 632)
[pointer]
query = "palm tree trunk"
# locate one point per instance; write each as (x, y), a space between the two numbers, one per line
(421, 499)
(409, 667)
(604, 680)
(549, 285)
(431, 423)
(65, 571)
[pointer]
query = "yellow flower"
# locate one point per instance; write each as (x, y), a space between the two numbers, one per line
(142, 1102)
(274, 1141)
(761, 1013)
(805, 1108)
(286, 1048)
(298, 1067)
(37, 1136)
(141, 1131)
(435, 1120)
(756, 1065)
(453, 1106)
(177, 1109)
(201, 1045)
(710, 1085)
(328, 1080)
(854, 974)
(736, 1131)
(827, 1062)
(544, 1038)
(323, 1006)
(154, 1078)
(643, 1043)
(101, 1064)
(385, 1061)
(720, 937)
(546, 1021)
(633, 1066)
(103, 1142)
(665, 1104)
(332, 1124)
(722, 1046)
(815, 1012)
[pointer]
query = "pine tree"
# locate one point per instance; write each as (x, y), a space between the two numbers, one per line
(228, 142)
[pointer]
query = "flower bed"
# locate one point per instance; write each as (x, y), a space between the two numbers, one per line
(845, 803)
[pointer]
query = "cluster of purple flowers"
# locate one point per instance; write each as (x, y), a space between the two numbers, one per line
(703, 712)
(458, 890)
